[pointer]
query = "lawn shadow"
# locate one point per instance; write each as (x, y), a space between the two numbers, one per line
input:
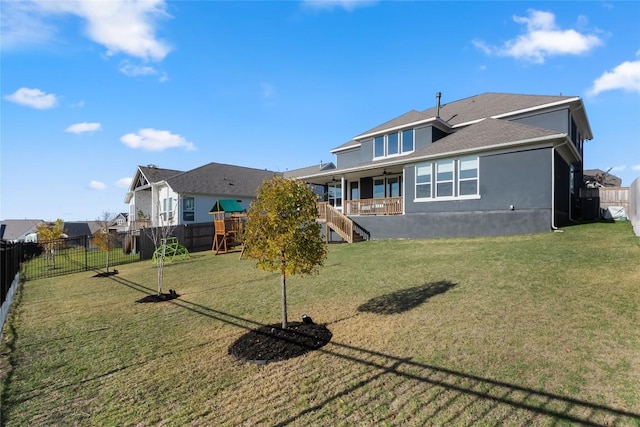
(405, 299)
(448, 386)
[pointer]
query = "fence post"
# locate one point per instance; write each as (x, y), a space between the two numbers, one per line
(86, 251)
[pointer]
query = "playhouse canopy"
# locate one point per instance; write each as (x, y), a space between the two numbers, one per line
(227, 205)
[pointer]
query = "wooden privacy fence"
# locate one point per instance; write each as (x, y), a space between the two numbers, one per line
(609, 196)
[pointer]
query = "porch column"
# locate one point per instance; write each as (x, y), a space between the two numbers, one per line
(342, 193)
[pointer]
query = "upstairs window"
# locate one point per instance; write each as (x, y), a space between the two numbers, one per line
(393, 144)
(407, 141)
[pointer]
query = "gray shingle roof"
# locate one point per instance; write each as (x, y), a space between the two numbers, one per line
(220, 179)
(17, 228)
(155, 174)
(487, 133)
(294, 173)
(473, 108)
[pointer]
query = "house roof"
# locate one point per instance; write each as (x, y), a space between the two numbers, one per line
(294, 173)
(484, 135)
(601, 177)
(16, 229)
(469, 110)
(220, 179)
(155, 174)
(80, 228)
(227, 205)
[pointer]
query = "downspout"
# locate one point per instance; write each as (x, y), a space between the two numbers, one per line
(553, 185)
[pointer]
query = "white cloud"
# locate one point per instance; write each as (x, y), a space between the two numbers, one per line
(636, 167)
(625, 76)
(34, 98)
(347, 5)
(133, 70)
(97, 185)
(22, 25)
(79, 128)
(124, 182)
(619, 168)
(155, 140)
(122, 26)
(542, 39)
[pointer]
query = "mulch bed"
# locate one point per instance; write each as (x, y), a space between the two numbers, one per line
(159, 298)
(271, 343)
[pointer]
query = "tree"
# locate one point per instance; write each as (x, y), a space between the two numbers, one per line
(282, 232)
(49, 235)
(102, 238)
(159, 236)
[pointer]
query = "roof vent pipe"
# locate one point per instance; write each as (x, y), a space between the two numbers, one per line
(438, 95)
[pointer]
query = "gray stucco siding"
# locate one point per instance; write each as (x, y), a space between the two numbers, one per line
(558, 120)
(521, 179)
(355, 156)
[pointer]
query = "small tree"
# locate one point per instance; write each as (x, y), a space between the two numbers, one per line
(49, 235)
(282, 232)
(159, 236)
(102, 237)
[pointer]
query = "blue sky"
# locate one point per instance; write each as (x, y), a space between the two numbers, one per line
(90, 90)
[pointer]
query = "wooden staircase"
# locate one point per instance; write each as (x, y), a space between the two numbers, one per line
(341, 224)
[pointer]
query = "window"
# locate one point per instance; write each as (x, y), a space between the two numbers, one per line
(423, 181)
(188, 209)
(393, 141)
(448, 179)
(167, 208)
(355, 193)
(407, 141)
(378, 146)
(393, 144)
(393, 186)
(335, 194)
(378, 188)
(468, 176)
(120, 221)
(444, 178)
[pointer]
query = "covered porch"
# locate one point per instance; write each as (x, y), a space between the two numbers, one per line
(368, 192)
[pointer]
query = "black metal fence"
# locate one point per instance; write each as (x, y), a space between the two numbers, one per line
(10, 258)
(70, 255)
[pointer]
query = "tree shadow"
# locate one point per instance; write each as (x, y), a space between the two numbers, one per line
(468, 399)
(405, 299)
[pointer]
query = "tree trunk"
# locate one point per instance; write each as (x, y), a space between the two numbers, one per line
(284, 301)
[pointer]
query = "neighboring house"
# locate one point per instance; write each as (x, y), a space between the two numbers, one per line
(19, 230)
(594, 178)
(165, 196)
(491, 164)
(80, 228)
(119, 223)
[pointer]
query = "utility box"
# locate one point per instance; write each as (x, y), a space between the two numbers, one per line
(590, 207)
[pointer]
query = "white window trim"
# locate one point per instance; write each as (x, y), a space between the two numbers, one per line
(456, 181)
(477, 178)
(385, 145)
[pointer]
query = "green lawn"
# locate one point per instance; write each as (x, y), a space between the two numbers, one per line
(539, 329)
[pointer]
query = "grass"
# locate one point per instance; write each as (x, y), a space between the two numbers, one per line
(538, 329)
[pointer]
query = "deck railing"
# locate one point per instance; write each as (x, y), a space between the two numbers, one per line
(385, 206)
(139, 224)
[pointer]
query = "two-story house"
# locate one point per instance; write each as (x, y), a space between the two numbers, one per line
(491, 164)
(159, 196)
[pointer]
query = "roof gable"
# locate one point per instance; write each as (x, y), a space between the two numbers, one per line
(17, 228)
